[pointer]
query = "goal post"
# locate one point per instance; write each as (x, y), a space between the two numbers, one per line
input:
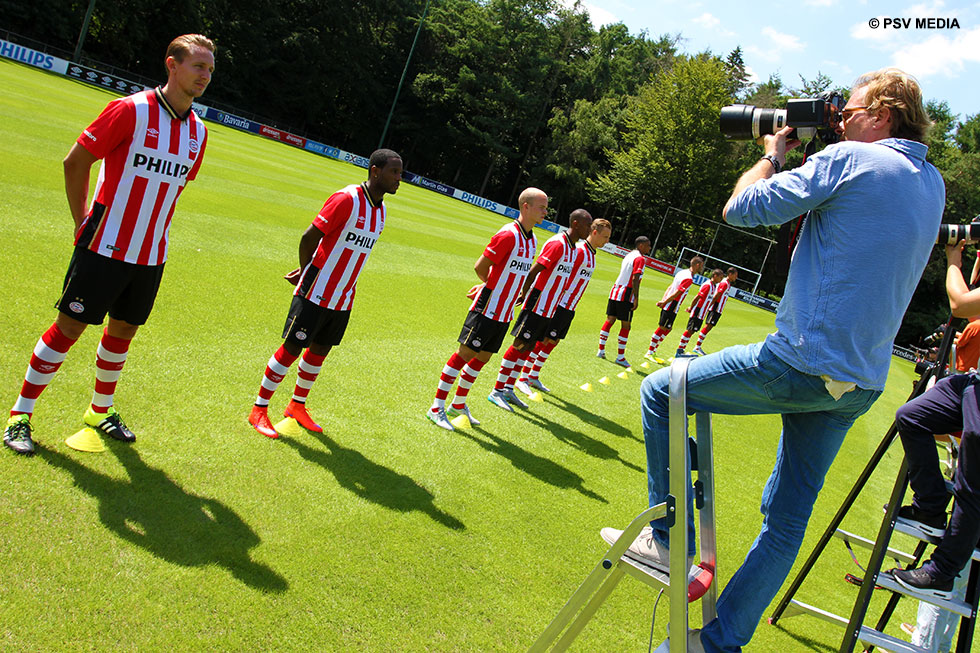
(747, 280)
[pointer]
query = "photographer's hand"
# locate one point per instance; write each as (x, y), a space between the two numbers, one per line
(776, 146)
(954, 254)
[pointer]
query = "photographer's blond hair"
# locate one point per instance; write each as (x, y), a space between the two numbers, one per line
(181, 46)
(900, 92)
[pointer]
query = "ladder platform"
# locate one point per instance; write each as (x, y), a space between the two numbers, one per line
(658, 579)
(961, 608)
(863, 542)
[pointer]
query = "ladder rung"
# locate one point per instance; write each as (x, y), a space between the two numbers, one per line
(961, 608)
(907, 558)
(867, 636)
(906, 527)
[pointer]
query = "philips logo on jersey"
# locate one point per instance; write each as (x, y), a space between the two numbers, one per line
(520, 266)
(160, 166)
(564, 269)
(364, 242)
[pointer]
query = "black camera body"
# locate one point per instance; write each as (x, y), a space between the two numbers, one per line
(812, 117)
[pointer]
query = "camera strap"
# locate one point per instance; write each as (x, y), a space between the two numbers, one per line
(808, 151)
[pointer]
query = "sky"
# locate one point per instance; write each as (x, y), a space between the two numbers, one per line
(839, 38)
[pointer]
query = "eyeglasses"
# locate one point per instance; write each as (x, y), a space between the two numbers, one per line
(847, 113)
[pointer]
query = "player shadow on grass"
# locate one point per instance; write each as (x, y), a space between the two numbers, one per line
(598, 421)
(372, 481)
(540, 468)
(580, 441)
(151, 511)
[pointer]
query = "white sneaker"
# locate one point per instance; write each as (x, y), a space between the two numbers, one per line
(523, 386)
(694, 644)
(622, 361)
(536, 384)
(512, 398)
(465, 410)
(699, 351)
(497, 398)
(438, 417)
(600, 354)
(649, 551)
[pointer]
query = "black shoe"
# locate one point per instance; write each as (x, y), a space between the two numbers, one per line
(109, 423)
(17, 435)
(919, 580)
(928, 523)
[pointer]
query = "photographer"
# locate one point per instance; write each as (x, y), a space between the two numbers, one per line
(823, 367)
(951, 405)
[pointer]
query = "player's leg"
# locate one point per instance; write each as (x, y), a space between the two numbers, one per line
(466, 380)
(48, 355)
(302, 322)
(450, 372)
(329, 336)
(664, 327)
(693, 325)
(623, 338)
(510, 368)
(607, 327)
(546, 347)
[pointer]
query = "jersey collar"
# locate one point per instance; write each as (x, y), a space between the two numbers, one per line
(368, 195)
(161, 98)
(527, 234)
(589, 245)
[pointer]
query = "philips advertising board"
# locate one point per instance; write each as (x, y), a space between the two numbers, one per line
(33, 57)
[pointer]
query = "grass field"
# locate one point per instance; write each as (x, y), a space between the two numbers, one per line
(384, 533)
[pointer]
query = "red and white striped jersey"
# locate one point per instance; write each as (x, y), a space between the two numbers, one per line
(351, 224)
(700, 304)
(721, 295)
(633, 263)
(148, 154)
(511, 251)
(682, 281)
(556, 257)
(583, 265)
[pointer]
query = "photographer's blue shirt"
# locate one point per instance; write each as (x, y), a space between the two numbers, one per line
(874, 212)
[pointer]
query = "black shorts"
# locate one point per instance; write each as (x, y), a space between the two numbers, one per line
(667, 317)
(96, 285)
(560, 322)
(480, 333)
(694, 323)
(309, 323)
(530, 327)
(621, 310)
(712, 318)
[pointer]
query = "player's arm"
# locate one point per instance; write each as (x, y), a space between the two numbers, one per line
(308, 243)
(482, 268)
(78, 167)
(536, 269)
(636, 289)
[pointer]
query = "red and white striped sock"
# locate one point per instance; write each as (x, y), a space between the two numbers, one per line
(542, 358)
(466, 379)
(604, 334)
(449, 373)
(49, 354)
(530, 361)
(657, 338)
(109, 361)
(518, 369)
(308, 369)
(624, 335)
(685, 337)
(275, 371)
(511, 356)
(701, 335)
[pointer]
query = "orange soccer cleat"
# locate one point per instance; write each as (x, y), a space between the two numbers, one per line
(298, 412)
(259, 418)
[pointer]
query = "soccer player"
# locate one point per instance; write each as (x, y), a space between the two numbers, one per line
(583, 264)
(332, 253)
(502, 269)
(715, 308)
(546, 280)
(624, 297)
(699, 308)
(151, 144)
(671, 302)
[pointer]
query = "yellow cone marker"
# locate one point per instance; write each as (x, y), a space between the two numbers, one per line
(604, 380)
(86, 440)
(623, 375)
(536, 397)
(461, 422)
(645, 365)
(586, 386)
(288, 426)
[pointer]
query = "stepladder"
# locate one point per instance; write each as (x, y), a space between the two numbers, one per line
(688, 456)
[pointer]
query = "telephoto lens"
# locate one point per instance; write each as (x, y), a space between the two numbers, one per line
(950, 234)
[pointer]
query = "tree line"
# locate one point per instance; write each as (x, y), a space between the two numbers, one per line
(500, 94)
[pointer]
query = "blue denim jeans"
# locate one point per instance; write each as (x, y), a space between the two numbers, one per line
(750, 380)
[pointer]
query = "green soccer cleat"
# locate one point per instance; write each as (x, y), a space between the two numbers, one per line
(17, 435)
(110, 423)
